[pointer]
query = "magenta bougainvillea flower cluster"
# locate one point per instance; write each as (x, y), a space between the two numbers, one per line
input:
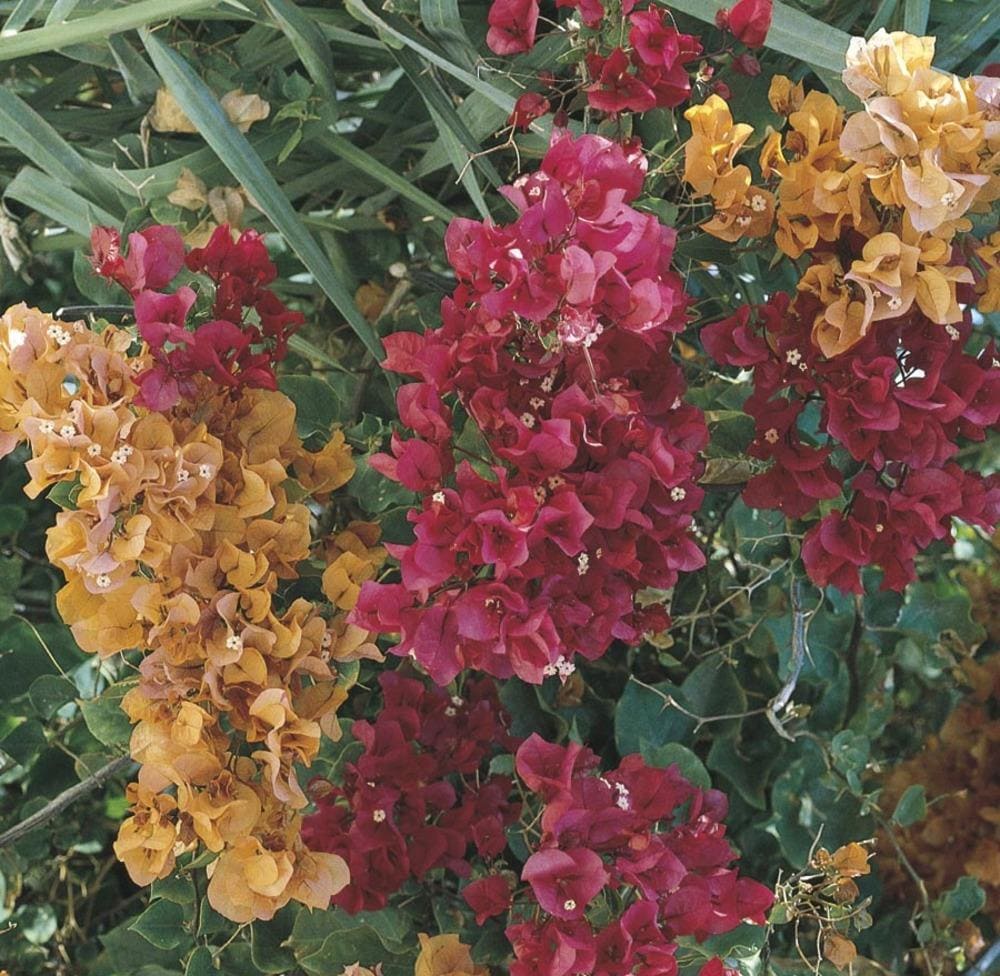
(577, 491)
(898, 402)
(420, 798)
(237, 341)
(639, 835)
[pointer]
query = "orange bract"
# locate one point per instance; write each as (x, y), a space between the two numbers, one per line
(182, 529)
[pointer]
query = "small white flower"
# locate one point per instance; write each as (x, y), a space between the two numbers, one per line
(127, 450)
(457, 700)
(953, 333)
(948, 199)
(536, 403)
(93, 450)
(569, 905)
(205, 471)
(397, 269)
(758, 203)
(540, 494)
(528, 419)
(792, 357)
(103, 581)
(678, 494)
(676, 403)
(895, 303)
(438, 498)
(67, 430)
(327, 640)
(879, 527)
(47, 427)
(234, 642)
(450, 712)
(118, 456)
(743, 221)
(622, 798)
(53, 331)
(182, 475)
(378, 815)
(554, 481)
(549, 670)
(64, 338)
(547, 383)
(582, 564)
(771, 435)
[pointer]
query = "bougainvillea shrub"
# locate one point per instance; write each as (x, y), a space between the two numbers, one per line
(500, 487)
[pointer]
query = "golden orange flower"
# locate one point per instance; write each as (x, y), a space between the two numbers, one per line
(445, 955)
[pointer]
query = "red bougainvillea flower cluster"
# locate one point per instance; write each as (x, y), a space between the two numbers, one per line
(643, 834)
(419, 795)
(748, 21)
(900, 401)
(556, 345)
(246, 330)
(642, 66)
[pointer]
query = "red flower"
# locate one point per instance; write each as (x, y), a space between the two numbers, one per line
(488, 897)
(749, 21)
(615, 89)
(512, 26)
(564, 882)
(527, 108)
(155, 255)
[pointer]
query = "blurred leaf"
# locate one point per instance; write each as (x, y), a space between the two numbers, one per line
(310, 45)
(912, 806)
(49, 693)
(964, 900)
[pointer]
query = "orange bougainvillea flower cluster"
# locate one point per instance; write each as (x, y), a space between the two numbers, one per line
(960, 834)
(877, 197)
(179, 529)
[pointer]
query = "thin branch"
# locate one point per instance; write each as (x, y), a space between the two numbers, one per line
(800, 619)
(65, 799)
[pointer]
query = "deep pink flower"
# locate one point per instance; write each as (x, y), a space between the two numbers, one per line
(564, 882)
(512, 26)
(528, 107)
(748, 20)
(615, 89)
(488, 897)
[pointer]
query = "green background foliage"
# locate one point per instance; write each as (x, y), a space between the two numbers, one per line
(374, 111)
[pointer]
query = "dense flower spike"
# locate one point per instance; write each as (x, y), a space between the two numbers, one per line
(645, 834)
(419, 796)
(249, 329)
(531, 547)
(878, 330)
(180, 531)
(876, 198)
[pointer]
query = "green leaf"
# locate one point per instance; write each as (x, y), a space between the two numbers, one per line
(161, 924)
(912, 806)
(104, 716)
(674, 754)
(964, 900)
(97, 27)
(239, 157)
(792, 32)
(37, 923)
(13, 518)
(644, 718)
(915, 16)
(201, 963)
(62, 205)
(310, 45)
(49, 693)
(317, 405)
(326, 942)
(368, 164)
(25, 742)
(850, 753)
(30, 134)
(443, 22)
